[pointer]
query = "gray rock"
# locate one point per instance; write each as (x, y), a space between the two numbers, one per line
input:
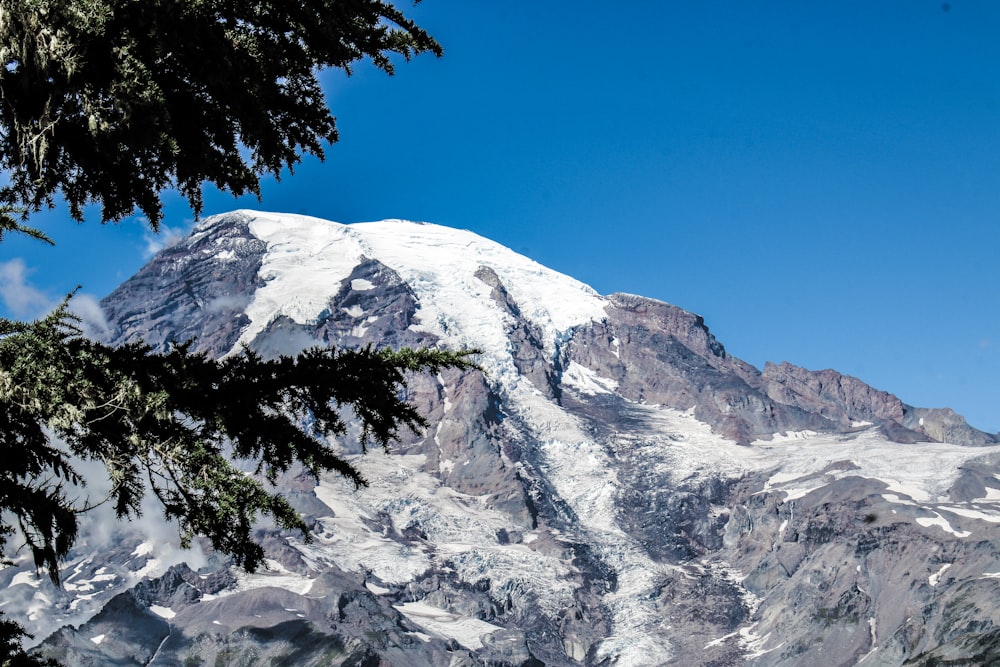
(196, 290)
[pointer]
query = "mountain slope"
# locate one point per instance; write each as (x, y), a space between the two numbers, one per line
(615, 489)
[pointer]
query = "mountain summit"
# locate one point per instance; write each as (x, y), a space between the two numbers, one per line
(279, 282)
(613, 488)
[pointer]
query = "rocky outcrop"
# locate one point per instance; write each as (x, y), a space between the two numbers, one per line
(372, 306)
(848, 402)
(945, 425)
(907, 599)
(659, 354)
(162, 622)
(840, 398)
(195, 290)
(527, 348)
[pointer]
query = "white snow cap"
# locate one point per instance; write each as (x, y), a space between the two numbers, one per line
(307, 258)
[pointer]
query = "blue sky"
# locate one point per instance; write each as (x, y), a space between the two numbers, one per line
(820, 181)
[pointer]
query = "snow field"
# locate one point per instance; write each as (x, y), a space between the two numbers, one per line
(466, 631)
(922, 471)
(583, 476)
(461, 526)
(439, 264)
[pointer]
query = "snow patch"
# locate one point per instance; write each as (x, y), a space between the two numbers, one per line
(376, 589)
(306, 261)
(874, 640)
(922, 471)
(793, 435)
(162, 612)
(722, 639)
(465, 630)
(936, 577)
(354, 311)
(893, 498)
(754, 644)
(586, 381)
(942, 523)
(992, 517)
(97, 639)
(362, 285)
(275, 575)
(26, 577)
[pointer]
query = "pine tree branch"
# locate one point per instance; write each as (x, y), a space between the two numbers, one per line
(173, 417)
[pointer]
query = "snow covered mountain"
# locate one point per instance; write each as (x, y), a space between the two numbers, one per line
(614, 489)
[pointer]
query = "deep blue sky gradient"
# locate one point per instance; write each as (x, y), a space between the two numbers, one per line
(820, 181)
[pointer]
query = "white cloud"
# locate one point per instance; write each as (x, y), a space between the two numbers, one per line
(227, 302)
(92, 320)
(18, 296)
(165, 238)
(25, 301)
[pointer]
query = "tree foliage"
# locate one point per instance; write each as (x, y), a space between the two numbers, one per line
(173, 423)
(11, 652)
(113, 101)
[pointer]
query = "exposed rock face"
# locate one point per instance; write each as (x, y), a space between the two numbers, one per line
(527, 347)
(944, 425)
(372, 305)
(658, 353)
(201, 287)
(261, 625)
(615, 489)
(910, 598)
(840, 398)
(846, 400)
